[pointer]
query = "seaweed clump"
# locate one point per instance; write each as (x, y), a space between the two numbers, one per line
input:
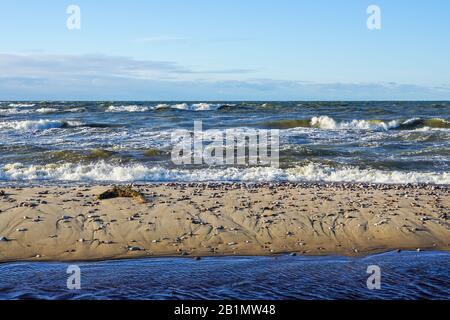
(122, 192)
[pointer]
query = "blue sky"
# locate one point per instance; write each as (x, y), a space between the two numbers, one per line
(225, 50)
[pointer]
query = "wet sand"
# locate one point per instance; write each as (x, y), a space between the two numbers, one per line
(69, 223)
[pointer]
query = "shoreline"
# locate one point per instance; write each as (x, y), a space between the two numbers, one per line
(149, 258)
(68, 223)
(306, 183)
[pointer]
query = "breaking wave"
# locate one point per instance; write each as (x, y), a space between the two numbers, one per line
(163, 106)
(76, 110)
(37, 124)
(325, 122)
(328, 123)
(191, 107)
(44, 124)
(106, 172)
(13, 111)
(20, 111)
(21, 105)
(128, 108)
(47, 110)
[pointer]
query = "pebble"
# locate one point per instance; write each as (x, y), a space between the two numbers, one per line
(134, 248)
(21, 229)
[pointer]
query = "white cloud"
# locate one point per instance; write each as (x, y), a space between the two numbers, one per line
(72, 66)
(104, 77)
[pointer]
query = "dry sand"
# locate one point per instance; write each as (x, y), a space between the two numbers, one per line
(69, 223)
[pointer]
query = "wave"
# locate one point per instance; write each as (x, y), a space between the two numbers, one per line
(72, 156)
(315, 172)
(44, 124)
(17, 111)
(233, 107)
(196, 106)
(164, 106)
(21, 105)
(128, 108)
(37, 124)
(47, 110)
(13, 111)
(417, 123)
(153, 152)
(328, 123)
(325, 122)
(105, 172)
(287, 124)
(76, 110)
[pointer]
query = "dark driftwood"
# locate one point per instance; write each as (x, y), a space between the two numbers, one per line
(122, 192)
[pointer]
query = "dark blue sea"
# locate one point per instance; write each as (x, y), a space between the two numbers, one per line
(404, 275)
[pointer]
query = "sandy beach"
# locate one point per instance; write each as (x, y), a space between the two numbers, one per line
(192, 220)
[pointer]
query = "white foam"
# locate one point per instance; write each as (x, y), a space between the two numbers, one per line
(178, 106)
(315, 172)
(31, 124)
(13, 111)
(327, 123)
(196, 106)
(76, 110)
(102, 171)
(42, 124)
(128, 108)
(46, 110)
(205, 106)
(16, 110)
(21, 105)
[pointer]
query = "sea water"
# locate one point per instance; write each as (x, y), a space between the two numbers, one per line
(91, 142)
(404, 275)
